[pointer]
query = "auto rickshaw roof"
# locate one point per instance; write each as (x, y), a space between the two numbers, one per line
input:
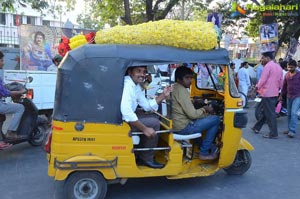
(90, 78)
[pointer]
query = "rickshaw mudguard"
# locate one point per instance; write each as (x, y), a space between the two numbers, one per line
(245, 145)
(85, 163)
(227, 156)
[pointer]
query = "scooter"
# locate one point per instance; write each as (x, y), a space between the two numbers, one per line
(280, 110)
(32, 126)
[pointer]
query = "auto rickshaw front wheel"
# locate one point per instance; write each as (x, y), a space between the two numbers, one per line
(241, 164)
(85, 184)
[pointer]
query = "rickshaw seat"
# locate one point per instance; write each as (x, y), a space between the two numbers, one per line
(185, 143)
(186, 137)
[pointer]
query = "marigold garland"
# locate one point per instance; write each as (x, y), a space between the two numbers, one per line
(194, 35)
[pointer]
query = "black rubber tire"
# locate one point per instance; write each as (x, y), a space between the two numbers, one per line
(38, 136)
(244, 98)
(258, 111)
(85, 184)
(241, 163)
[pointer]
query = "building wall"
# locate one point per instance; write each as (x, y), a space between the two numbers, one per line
(11, 59)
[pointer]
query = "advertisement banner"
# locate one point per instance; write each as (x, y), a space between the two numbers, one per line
(268, 37)
(215, 18)
(293, 52)
(38, 45)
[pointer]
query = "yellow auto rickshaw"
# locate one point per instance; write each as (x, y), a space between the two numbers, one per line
(90, 146)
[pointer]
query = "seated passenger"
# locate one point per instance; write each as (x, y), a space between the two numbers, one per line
(134, 96)
(188, 120)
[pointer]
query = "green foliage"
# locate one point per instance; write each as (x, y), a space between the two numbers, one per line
(107, 11)
(8, 5)
(252, 29)
(114, 12)
(88, 22)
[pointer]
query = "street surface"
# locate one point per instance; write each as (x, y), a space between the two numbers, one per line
(274, 174)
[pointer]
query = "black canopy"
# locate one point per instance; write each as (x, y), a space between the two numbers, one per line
(90, 78)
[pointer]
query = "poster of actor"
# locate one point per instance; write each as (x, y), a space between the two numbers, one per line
(268, 37)
(37, 46)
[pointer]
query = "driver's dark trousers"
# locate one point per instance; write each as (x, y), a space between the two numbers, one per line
(152, 122)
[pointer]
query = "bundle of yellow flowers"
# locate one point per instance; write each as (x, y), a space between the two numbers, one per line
(194, 35)
(77, 41)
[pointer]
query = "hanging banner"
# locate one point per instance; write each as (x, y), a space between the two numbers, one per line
(215, 18)
(268, 37)
(293, 52)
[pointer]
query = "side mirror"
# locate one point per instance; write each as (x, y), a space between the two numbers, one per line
(29, 79)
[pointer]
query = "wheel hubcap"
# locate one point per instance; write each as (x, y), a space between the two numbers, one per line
(86, 188)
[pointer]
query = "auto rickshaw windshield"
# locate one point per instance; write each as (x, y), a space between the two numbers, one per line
(232, 86)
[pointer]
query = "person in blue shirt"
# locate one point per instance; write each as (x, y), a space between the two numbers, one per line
(259, 70)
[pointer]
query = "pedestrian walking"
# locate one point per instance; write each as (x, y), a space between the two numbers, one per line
(244, 79)
(291, 89)
(268, 88)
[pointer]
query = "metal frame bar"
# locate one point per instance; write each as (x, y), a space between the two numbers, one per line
(85, 164)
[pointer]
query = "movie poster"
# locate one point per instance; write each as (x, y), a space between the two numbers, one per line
(268, 37)
(38, 45)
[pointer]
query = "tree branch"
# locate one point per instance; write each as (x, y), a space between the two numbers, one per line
(149, 11)
(155, 8)
(169, 6)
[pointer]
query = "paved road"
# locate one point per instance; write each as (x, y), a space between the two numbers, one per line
(274, 174)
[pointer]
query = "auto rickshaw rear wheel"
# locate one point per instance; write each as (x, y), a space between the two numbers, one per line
(85, 184)
(241, 164)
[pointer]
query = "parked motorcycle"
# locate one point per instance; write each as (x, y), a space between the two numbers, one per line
(280, 111)
(32, 126)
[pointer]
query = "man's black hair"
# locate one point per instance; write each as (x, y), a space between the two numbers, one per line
(1, 55)
(39, 33)
(268, 54)
(292, 62)
(132, 67)
(181, 72)
(184, 64)
(57, 58)
(283, 64)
